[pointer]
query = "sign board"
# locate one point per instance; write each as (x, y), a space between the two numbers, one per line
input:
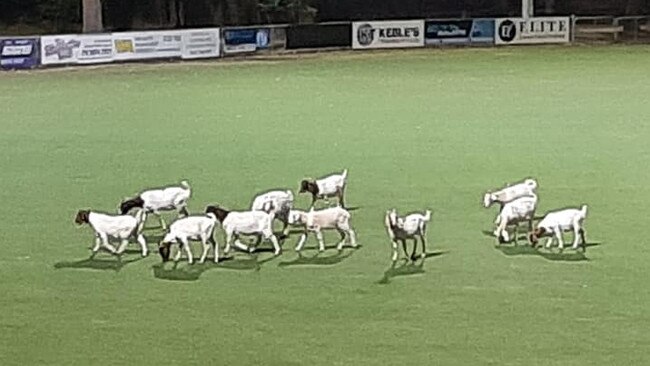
(200, 43)
(245, 40)
(388, 34)
(19, 53)
(76, 49)
(147, 45)
(532, 30)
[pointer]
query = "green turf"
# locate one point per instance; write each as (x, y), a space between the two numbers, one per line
(416, 129)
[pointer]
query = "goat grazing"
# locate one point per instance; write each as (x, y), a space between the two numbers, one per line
(411, 226)
(330, 186)
(554, 223)
(189, 228)
(120, 227)
(258, 223)
(279, 202)
(520, 210)
(510, 193)
(163, 199)
(315, 221)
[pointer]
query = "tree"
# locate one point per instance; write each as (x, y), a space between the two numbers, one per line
(92, 16)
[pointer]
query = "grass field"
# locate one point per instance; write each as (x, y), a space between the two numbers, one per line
(416, 129)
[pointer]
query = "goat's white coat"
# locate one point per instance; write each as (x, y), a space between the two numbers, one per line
(193, 228)
(329, 186)
(556, 222)
(408, 227)
(166, 199)
(276, 202)
(510, 193)
(120, 227)
(257, 223)
(514, 212)
(317, 220)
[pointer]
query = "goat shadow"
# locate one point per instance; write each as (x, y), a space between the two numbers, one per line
(103, 264)
(568, 255)
(182, 271)
(406, 268)
(320, 259)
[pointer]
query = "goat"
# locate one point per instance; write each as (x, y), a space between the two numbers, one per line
(160, 199)
(514, 212)
(510, 193)
(554, 223)
(330, 218)
(258, 223)
(189, 228)
(120, 227)
(280, 202)
(330, 186)
(409, 227)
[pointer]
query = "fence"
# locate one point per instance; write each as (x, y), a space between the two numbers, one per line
(80, 49)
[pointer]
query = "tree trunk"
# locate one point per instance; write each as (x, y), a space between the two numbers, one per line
(92, 16)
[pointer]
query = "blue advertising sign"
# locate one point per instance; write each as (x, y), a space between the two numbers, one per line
(246, 40)
(19, 53)
(459, 31)
(482, 31)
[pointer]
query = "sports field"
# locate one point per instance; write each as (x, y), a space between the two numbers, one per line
(416, 129)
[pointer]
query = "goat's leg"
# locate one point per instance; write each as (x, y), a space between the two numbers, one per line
(215, 247)
(558, 234)
(584, 241)
(106, 244)
(406, 254)
(241, 245)
(321, 243)
(163, 224)
(301, 241)
(342, 242)
(415, 247)
(274, 241)
(98, 244)
(143, 245)
(353, 237)
(188, 251)
(182, 212)
(206, 249)
(424, 245)
(395, 254)
(122, 247)
(516, 232)
(340, 192)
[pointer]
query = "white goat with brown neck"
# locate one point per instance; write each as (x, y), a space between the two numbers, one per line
(121, 227)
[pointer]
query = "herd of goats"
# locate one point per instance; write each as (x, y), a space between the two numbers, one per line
(518, 203)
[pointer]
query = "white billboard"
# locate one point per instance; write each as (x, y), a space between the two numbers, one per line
(388, 34)
(76, 49)
(532, 30)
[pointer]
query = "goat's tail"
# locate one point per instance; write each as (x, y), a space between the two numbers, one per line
(583, 211)
(532, 183)
(427, 215)
(140, 217)
(345, 174)
(185, 184)
(290, 195)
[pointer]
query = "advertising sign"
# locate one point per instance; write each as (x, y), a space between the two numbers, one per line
(200, 43)
(19, 53)
(388, 34)
(146, 45)
(245, 40)
(447, 31)
(76, 49)
(532, 30)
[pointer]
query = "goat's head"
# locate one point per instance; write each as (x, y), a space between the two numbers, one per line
(131, 203)
(82, 217)
(297, 217)
(489, 199)
(534, 235)
(308, 186)
(165, 250)
(217, 211)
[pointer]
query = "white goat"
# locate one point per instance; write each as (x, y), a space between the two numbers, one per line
(520, 210)
(189, 228)
(554, 223)
(258, 223)
(409, 227)
(160, 199)
(330, 186)
(120, 227)
(510, 193)
(315, 221)
(278, 202)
